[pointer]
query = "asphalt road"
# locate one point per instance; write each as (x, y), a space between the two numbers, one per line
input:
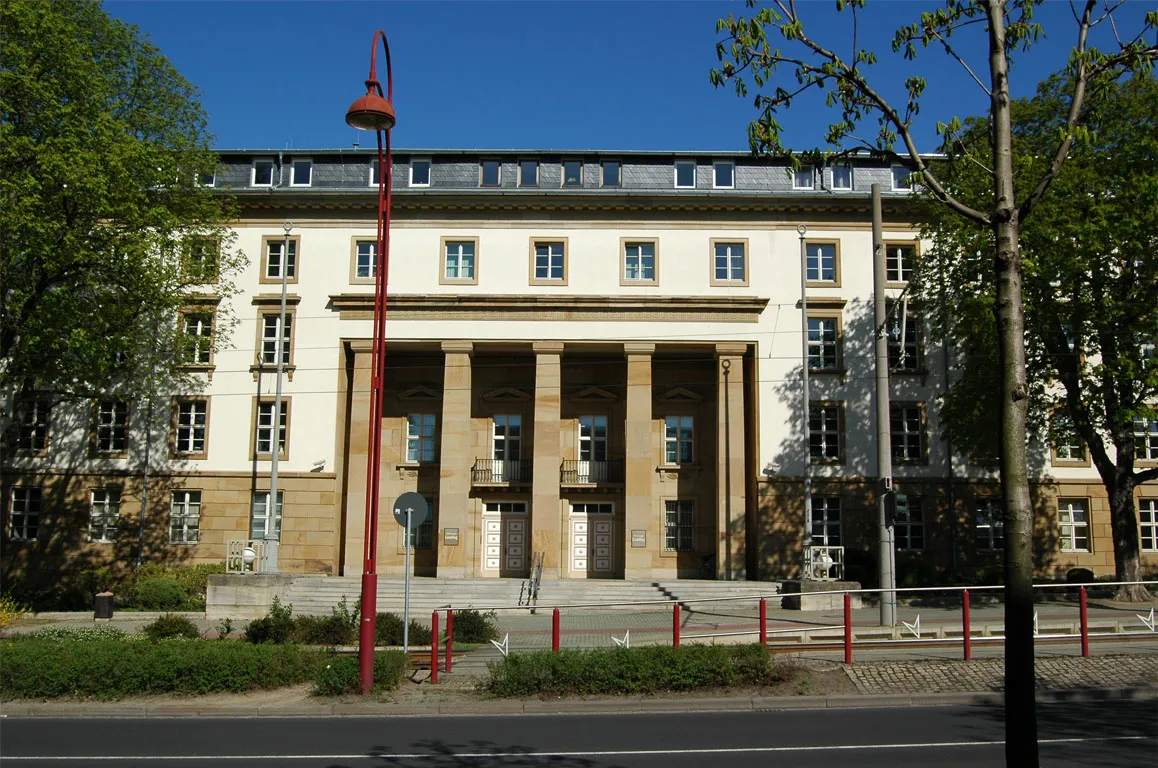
(1118, 733)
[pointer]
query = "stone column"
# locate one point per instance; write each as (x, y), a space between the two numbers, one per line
(455, 462)
(546, 516)
(357, 457)
(731, 501)
(639, 469)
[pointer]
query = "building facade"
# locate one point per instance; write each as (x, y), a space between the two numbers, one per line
(592, 358)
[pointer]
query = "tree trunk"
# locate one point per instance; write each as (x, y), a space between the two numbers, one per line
(1124, 524)
(1020, 704)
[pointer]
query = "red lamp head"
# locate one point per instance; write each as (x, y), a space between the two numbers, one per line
(371, 112)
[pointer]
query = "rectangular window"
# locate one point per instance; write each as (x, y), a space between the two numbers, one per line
(821, 263)
(679, 439)
(901, 179)
(422, 537)
(112, 426)
(192, 421)
(823, 344)
(1073, 525)
(990, 524)
(909, 527)
(572, 173)
(842, 177)
(274, 249)
(724, 175)
(685, 174)
(420, 437)
(1064, 439)
(32, 416)
(507, 443)
(900, 261)
(592, 438)
(904, 339)
(1146, 439)
(197, 341)
(24, 514)
(301, 173)
(419, 172)
(199, 262)
(804, 178)
(906, 433)
(638, 262)
(528, 173)
(262, 173)
(1148, 520)
(826, 521)
(550, 264)
(728, 263)
(263, 440)
(825, 427)
(679, 525)
(206, 179)
(259, 524)
(269, 338)
(375, 173)
(185, 517)
(611, 175)
(104, 514)
(459, 260)
(365, 260)
(491, 173)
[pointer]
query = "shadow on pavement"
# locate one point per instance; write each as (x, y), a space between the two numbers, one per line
(436, 753)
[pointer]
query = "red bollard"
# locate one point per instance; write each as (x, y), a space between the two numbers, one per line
(847, 628)
(555, 630)
(675, 625)
(434, 648)
(966, 637)
(449, 638)
(1085, 626)
(763, 621)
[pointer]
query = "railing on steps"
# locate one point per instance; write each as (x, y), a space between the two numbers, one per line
(529, 589)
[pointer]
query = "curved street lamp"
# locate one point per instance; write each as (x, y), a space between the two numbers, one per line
(373, 112)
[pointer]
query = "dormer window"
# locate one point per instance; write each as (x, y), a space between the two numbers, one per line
(528, 173)
(685, 174)
(490, 173)
(301, 172)
(901, 179)
(724, 175)
(804, 178)
(420, 172)
(262, 175)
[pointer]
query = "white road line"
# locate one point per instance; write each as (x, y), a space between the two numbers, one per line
(599, 753)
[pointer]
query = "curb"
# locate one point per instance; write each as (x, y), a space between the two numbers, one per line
(486, 708)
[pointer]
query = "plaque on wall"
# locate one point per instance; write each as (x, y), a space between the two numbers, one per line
(450, 537)
(638, 539)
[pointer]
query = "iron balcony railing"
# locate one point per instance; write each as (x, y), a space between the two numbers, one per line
(591, 472)
(500, 471)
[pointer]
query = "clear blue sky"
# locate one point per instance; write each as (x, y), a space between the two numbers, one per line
(535, 75)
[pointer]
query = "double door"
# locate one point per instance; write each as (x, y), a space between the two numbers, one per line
(505, 539)
(593, 550)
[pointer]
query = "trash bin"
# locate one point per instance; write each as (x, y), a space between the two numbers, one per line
(103, 606)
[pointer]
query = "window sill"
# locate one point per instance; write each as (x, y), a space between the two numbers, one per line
(922, 372)
(207, 369)
(109, 454)
(679, 468)
(189, 456)
(268, 368)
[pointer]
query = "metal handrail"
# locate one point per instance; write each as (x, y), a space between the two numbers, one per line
(578, 472)
(495, 471)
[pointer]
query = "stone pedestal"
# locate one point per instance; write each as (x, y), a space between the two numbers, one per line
(798, 595)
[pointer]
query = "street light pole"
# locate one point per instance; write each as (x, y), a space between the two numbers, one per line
(802, 230)
(271, 537)
(372, 112)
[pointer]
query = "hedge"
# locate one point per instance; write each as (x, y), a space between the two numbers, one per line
(340, 675)
(648, 669)
(113, 669)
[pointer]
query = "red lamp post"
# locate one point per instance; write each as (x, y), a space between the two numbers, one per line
(372, 112)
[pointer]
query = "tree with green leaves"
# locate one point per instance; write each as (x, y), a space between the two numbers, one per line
(1090, 272)
(775, 52)
(106, 229)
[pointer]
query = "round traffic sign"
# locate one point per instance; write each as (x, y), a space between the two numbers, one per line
(419, 509)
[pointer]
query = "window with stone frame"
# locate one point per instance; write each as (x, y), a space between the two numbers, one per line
(989, 524)
(1145, 439)
(196, 338)
(826, 432)
(824, 343)
(639, 262)
(185, 517)
(459, 260)
(276, 257)
(264, 428)
(905, 332)
(190, 426)
(826, 521)
(550, 262)
(1067, 445)
(260, 519)
(422, 536)
(907, 432)
(679, 525)
(111, 430)
(365, 259)
(822, 263)
(104, 514)
(729, 264)
(909, 527)
(900, 262)
(679, 440)
(31, 421)
(1073, 517)
(270, 323)
(24, 513)
(200, 258)
(420, 433)
(1148, 524)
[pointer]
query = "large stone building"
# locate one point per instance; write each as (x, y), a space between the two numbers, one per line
(592, 357)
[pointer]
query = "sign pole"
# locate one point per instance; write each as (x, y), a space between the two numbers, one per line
(406, 598)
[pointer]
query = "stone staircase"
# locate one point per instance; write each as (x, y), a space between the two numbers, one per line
(317, 595)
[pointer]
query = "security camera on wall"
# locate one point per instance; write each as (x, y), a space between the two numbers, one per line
(771, 468)
(318, 465)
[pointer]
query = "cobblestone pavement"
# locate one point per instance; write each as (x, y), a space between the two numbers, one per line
(1057, 673)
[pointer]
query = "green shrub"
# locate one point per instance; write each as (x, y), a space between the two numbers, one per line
(160, 593)
(34, 668)
(79, 634)
(388, 631)
(629, 670)
(171, 625)
(323, 630)
(340, 675)
(276, 627)
(11, 611)
(474, 627)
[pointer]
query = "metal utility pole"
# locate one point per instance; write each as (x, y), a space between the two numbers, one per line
(802, 230)
(271, 507)
(884, 438)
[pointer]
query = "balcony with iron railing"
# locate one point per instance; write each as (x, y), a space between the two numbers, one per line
(597, 473)
(500, 472)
